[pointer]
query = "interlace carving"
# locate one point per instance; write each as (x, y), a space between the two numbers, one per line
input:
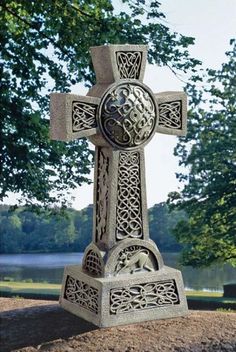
(102, 194)
(143, 296)
(93, 263)
(129, 219)
(128, 115)
(170, 115)
(132, 259)
(82, 294)
(129, 63)
(83, 116)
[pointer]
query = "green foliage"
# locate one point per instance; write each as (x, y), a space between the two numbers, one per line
(45, 48)
(72, 232)
(209, 153)
(161, 224)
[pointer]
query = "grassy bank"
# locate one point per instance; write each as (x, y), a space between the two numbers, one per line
(17, 288)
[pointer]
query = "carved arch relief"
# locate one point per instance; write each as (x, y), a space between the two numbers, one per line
(93, 261)
(133, 257)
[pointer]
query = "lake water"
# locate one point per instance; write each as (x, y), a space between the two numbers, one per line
(49, 268)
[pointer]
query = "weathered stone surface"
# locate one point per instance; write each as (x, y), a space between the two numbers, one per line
(114, 62)
(123, 279)
(172, 111)
(72, 116)
(123, 299)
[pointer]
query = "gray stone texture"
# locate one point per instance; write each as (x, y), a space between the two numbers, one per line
(65, 110)
(123, 300)
(122, 279)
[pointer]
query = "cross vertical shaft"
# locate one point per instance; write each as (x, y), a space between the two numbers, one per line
(119, 199)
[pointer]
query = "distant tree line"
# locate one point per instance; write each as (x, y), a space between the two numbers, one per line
(23, 231)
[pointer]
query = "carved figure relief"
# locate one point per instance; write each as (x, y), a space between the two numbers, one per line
(129, 219)
(133, 259)
(83, 116)
(129, 63)
(170, 114)
(102, 194)
(143, 296)
(82, 294)
(128, 115)
(93, 263)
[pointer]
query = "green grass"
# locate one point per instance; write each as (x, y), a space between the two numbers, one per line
(25, 287)
(209, 297)
(203, 294)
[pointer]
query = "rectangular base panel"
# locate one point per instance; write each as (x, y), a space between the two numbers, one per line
(123, 299)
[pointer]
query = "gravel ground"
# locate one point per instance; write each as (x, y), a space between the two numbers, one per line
(30, 326)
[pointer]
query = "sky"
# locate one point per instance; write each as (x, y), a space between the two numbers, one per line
(213, 24)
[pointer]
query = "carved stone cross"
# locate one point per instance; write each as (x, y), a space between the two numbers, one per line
(123, 278)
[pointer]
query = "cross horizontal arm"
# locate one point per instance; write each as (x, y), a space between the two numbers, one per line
(172, 111)
(72, 116)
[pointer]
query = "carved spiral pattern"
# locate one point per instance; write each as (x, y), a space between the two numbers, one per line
(93, 263)
(82, 294)
(129, 63)
(102, 194)
(143, 296)
(83, 116)
(128, 116)
(129, 220)
(170, 115)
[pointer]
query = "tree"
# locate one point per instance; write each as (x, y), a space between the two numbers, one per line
(209, 153)
(84, 228)
(161, 224)
(45, 48)
(12, 237)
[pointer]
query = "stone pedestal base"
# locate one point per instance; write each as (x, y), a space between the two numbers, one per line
(123, 299)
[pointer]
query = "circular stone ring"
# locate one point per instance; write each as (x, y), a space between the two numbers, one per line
(127, 115)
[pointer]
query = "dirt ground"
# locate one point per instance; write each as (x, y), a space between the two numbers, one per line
(30, 326)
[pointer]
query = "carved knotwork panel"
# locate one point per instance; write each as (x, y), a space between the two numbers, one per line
(83, 116)
(102, 194)
(129, 63)
(143, 296)
(170, 115)
(128, 115)
(129, 212)
(82, 294)
(92, 263)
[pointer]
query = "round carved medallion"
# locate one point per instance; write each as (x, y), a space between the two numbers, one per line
(127, 115)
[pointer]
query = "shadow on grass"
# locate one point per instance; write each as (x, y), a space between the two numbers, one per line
(33, 326)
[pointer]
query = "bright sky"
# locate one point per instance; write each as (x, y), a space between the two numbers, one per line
(213, 24)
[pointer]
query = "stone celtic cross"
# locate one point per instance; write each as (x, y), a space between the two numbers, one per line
(122, 278)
